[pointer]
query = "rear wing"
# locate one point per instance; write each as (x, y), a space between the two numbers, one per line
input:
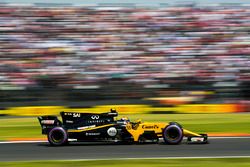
(48, 122)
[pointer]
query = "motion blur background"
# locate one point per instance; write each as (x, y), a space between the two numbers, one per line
(139, 52)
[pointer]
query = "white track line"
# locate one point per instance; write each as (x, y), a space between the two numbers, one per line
(149, 158)
(206, 157)
(44, 141)
(229, 137)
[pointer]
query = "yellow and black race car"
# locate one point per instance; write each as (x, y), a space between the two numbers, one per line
(104, 127)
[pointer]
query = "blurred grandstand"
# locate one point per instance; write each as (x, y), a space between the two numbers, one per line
(67, 54)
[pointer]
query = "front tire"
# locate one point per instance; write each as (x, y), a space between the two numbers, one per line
(172, 134)
(57, 136)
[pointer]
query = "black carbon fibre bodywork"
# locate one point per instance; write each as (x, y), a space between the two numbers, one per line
(87, 126)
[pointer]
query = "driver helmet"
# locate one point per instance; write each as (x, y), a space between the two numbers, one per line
(125, 119)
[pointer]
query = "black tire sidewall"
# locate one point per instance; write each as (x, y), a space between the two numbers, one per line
(175, 123)
(63, 141)
(170, 141)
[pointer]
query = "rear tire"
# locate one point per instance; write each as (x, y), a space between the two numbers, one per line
(57, 136)
(172, 134)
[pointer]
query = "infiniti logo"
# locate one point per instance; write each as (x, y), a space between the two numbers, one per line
(95, 117)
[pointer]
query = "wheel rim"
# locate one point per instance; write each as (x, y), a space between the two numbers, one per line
(173, 134)
(57, 136)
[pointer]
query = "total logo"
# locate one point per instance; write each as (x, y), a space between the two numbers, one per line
(112, 131)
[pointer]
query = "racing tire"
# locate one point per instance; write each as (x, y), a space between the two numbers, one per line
(175, 123)
(57, 136)
(172, 134)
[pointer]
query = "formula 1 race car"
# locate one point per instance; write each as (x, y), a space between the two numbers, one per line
(104, 127)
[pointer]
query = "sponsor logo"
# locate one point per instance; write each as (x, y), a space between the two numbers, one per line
(129, 127)
(112, 131)
(197, 139)
(48, 122)
(92, 134)
(76, 115)
(95, 121)
(86, 127)
(70, 122)
(72, 139)
(95, 117)
(150, 127)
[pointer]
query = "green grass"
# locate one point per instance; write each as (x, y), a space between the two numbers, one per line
(219, 123)
(28, 127)
(239, 162)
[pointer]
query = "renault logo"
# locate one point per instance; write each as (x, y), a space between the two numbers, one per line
(95, 117)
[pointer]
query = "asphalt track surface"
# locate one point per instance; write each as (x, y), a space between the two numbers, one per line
(42, 151)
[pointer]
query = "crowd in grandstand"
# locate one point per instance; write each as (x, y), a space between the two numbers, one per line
(79, 46)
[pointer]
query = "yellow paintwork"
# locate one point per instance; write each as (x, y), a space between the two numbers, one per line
(189, 133)
(136, 130)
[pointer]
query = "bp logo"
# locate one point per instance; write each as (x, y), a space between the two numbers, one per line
(112, 131)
